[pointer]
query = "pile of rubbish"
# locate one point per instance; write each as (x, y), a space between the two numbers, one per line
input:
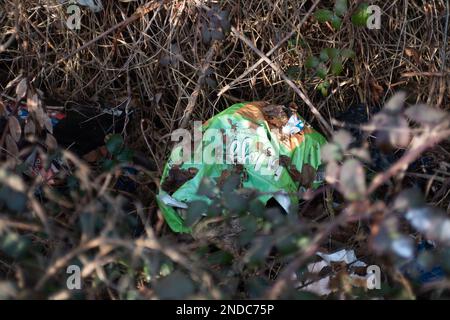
(270, 146)
(82, 129)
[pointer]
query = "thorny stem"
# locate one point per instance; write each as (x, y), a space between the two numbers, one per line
(270, 52)
(423, 143)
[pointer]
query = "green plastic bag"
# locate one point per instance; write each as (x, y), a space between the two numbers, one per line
(276, 151)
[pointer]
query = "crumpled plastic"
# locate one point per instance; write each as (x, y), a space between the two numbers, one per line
(416, 269)
(279, 154)
(321, 287)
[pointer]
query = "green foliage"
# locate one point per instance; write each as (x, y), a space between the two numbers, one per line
(361, 15)
(14, 245)
(119, 153)
(324, 87)
(334, 17)
(340, 7)
(330, 62)
(336, 22)
(332, 58)
(311, 62)
(323, 15)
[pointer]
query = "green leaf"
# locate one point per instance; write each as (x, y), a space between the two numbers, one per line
(176, 285)
(250, 226)
(332, 52)
(336, 22)
(220, 258)
(340, 7)
(336, 66)
(287, 244)
(311, 62)
(114, 144)
(14, 245)
(14, 200)
(359, 18)
(259, 250)
(293, 72)
(231, 183)
(109, 164)
(323, 88)
(348, 53)
(322, 71)
(292, 43)
(125, 156)
(207, 188)
(256, 207)
(235, 202)
(195, 211)
(324, 55)
(323, 15)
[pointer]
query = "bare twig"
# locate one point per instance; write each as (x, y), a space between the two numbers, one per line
(140, 12)
(270, 52)
(14, 31)
(193, 98)
(423, 143)
(278, 70)
(283, 279)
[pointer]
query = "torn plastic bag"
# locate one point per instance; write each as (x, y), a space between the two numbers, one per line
(277, 151)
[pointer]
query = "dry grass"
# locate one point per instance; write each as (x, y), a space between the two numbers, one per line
(409, 52)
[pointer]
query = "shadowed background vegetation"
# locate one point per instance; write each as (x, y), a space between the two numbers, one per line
(165, 64)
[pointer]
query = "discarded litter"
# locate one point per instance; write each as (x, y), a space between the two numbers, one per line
(322, 286)
(276, 151)
(81, 130)
(420, 268)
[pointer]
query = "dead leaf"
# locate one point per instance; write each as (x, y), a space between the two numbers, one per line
(11, 147)
(413, 54)
(424, 114)
(308, 176)
(40, 117)
(32, 102)
(352, 179)
(395, 104)
(35, 107)
(177, 177)
(21, 89)
(2, 109)
(96, 155)
(400, 137)
(14, 128)
(48, 123)
(376, 91)
(30, 128)
(51, 142)
(332, 172)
